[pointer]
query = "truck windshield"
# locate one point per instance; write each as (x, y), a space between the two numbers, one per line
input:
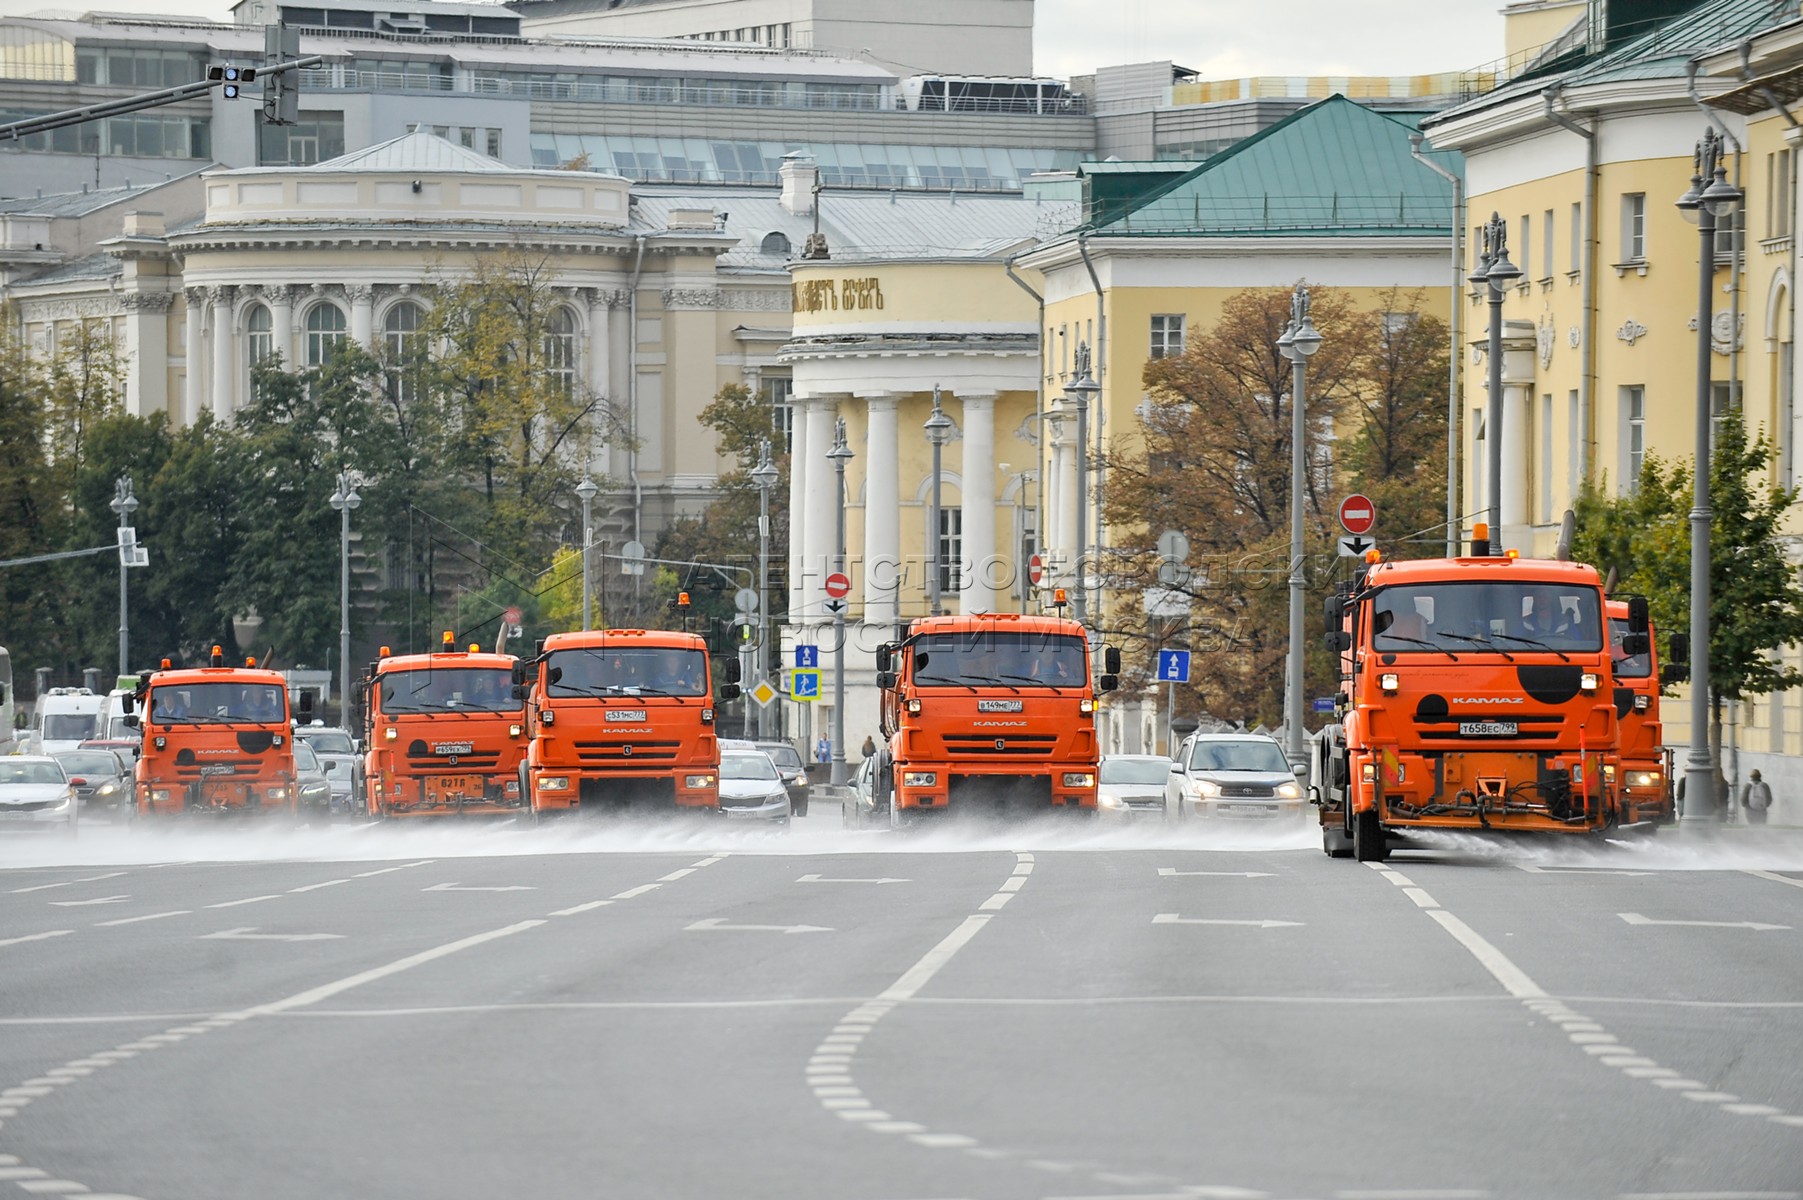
(989, 659)
(626, 671)
(69, 727)
(1627, 666)
(448, 689)
(1512, 617)
(214, 703)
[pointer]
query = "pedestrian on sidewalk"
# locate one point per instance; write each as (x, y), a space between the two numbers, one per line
(823, 750)
(869, 748)
(1756, 799)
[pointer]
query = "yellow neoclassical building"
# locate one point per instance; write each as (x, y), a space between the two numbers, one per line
(1584, 165)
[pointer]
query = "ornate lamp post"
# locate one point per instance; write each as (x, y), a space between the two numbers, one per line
(764, 475)
(1298, 343)
(939, 431)
(840, 455)
(345, 499)
(125, 504)
(1495, 272)
(1080, 391)
(586, 490)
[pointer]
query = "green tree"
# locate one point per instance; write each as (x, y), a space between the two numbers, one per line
(84, 384)
(32, 506)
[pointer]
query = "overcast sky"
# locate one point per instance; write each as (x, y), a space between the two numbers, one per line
(1222, 39)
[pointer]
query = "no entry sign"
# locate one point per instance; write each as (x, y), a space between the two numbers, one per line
(1358, 514)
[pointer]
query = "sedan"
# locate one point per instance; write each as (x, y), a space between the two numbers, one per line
(311, 784)
(1232, 776)
(1132, 785)
(794, 772)
(751, 789)
(102, 781)
(339, 759)
(35, 794)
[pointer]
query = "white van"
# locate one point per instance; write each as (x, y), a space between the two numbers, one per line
(63, 719)
(111, 722)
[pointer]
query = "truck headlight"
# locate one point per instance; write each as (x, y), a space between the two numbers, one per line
(1642, 703)
(513, 731)
(697, 781)
(1644, 779)
(554, 783)
(919, 778)
(277, 793)
(1389, 681)
(1587, 681)
(914, 708)
(1368, 772)
(1086, 705)
(159, 796)
(707, 716)
(1289, 791)
(1079, 779)
(390, 734)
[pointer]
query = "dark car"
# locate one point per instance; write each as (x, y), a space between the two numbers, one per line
(311, 784)
(102, 781)
(794, 772)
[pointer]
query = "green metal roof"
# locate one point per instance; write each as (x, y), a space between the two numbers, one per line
(1334, 169)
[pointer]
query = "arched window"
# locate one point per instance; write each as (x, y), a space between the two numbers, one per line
(259, 340)
(403, 349)
(325, 333)
(560, 349)
(777, 243)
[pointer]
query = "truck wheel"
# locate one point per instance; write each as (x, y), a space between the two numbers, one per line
(1368, 843)
(1334, 842)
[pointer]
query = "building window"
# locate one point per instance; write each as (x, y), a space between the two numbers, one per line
(951, 550)
(1546, 455)
(560, 350)
(1478, 498)
(1633, 441)
(1633, 227)
(325, 333)
(494, 142)
(1777, 194)
(1787, 416)
(403, 349)
(467, 138)
(316, 137)
(777, 244)
(1167, 335)
(779, 391)
(259, 342)
(1524, 253)
(1727, 236)
(1723, 399)
(1546, 245)
(1577, 238)
(1574, 444)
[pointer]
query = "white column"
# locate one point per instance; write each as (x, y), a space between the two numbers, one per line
(1517, 402)
(194, 302)
(822, 507)
(225, 386)
(600, 341)
(1065, 452)
(363, 315)
(978, 491)
(882, 514)
(799, 465)
(146, 352)
(281, 322)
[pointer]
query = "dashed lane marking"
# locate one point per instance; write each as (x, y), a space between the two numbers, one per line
(582, 908)
(673, 876)
(96, 900)
(36, 937)
(634, 893)
(246, 900)
(174, 912)
(1776, 878)
(314, 887)
(44, 887)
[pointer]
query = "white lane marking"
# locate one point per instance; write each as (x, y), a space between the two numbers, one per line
(85, 903)
(17, 1173)
(458, 887)
(1021, 857)
(1421, 898)
(44, 887)
(1752, 1110)
(1711, 1195)
(1638, 919)
(1514, 980)
(673, 876)
(1533, 870)
(895, 1127)
(424, 862)
(1013, 883)
(52, 1187)
(633, 893)
(246, 900)
(1775, 877)
(1174, 919)
(36, 937)
(1377, 866)
(1024, 866)
(996, 901)
(719, 924)
(582, 908)
(174, 912)
(1418, 1194)
(248, 933)
(930, 964)
(314, 887)
(823, 879)
(1173, 872)
(941, 1141)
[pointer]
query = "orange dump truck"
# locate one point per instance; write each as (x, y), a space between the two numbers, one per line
(1645, 775)
(443, 734)
(216, 740)
(1475, 694)
(989, 711)
(621, 720)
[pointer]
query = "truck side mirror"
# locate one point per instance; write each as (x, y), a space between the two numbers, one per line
(730, 691)
(1635, 643)
(1637, 614)
(732, 670)
(1335, 612)
(1338, 641)
(1108, 683)
(885, 679)
(885, 657)
(131, 720)
(1672, 673)
(1111, 660)
(519, 673)
(306, 704)
(127, 702)
(1680, 647)
(519, 691)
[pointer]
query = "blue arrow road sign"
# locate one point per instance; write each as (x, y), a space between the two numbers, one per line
(1323, 704)
(804, 685)
(1173, 666)
(807, 656)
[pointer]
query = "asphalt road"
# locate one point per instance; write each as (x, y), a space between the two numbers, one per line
(686, 1012)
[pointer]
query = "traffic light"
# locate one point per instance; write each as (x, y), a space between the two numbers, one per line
(231, 80)
(281, 89)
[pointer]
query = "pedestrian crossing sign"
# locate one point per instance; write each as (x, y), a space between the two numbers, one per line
(804, 685)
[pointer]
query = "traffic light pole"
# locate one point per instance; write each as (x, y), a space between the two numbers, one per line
(15, 130)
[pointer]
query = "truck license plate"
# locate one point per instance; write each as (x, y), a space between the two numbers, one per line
(215, 769)
(1488, 728)
(453, 747)
(625, 714)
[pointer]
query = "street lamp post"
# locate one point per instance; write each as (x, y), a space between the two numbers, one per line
(587, 489)
(344, 500)
(1080, 391)
(939, 431)
(1495, 273)
(1299, 341)
(1710, 196)
(764, 475)
(840, 454)
(125, 504)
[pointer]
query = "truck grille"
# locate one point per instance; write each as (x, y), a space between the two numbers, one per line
(420, 758)
(1008, 745)
(627, 750)
(1548, 725)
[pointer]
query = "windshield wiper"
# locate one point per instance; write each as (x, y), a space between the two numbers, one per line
(1533, 642)
(938, 681)
(1397, 637)
(1484, 642)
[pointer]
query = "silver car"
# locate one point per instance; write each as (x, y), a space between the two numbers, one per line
(1132, 785)
(35, 795)
(339, 759)
(751, 789)
(1231, 776)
